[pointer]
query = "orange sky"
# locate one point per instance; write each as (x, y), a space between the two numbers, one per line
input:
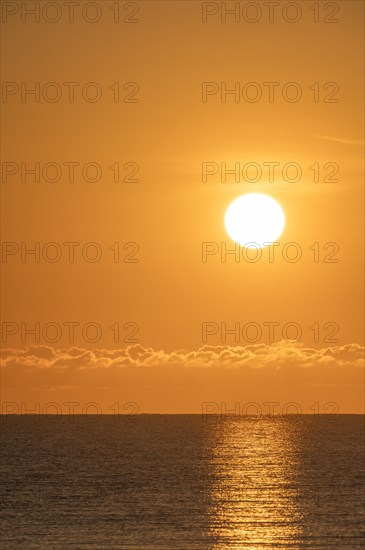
(169, 133)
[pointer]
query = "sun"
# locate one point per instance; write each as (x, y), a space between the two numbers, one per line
(254, 220)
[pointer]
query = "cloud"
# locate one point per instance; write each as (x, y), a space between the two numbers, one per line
(224, 356)
(341, 140)
(180, 381)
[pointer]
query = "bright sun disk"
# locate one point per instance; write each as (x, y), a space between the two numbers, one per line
(254, 220)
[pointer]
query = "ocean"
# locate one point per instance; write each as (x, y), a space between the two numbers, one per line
(187, 482)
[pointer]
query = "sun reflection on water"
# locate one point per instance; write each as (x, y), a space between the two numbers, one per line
(254, 500)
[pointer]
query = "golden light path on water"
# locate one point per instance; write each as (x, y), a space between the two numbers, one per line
(255, 497)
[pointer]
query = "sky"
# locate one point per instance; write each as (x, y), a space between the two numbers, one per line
(130, 310)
